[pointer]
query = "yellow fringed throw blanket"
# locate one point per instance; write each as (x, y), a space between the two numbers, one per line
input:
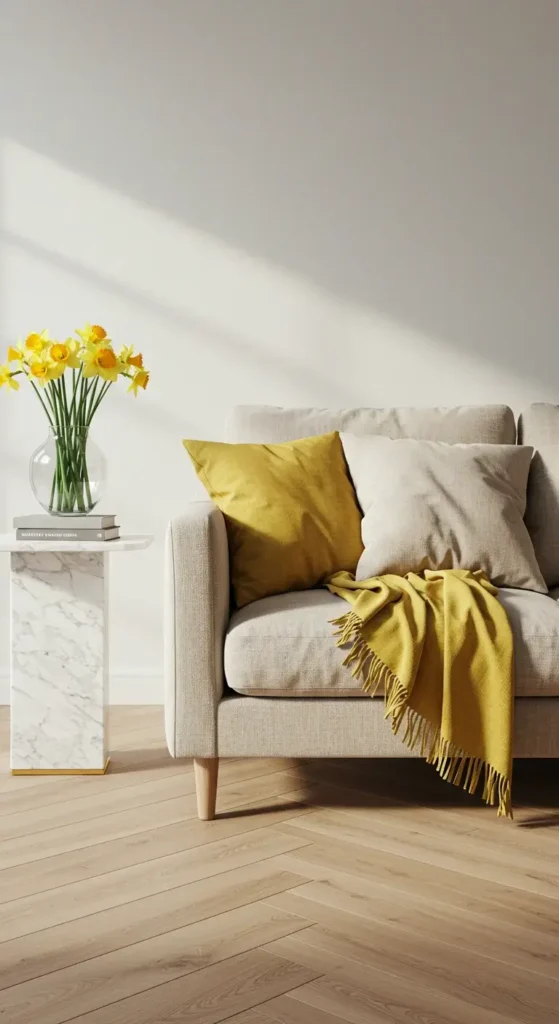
(440, 645)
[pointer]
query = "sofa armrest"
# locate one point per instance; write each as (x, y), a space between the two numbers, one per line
(196, 617)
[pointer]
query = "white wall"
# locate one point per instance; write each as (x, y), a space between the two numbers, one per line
(331, 202)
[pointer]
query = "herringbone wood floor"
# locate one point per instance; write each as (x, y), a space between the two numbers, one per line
(323, 893)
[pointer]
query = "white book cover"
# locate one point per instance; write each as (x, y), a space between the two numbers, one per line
(46, 522)
(112, 533)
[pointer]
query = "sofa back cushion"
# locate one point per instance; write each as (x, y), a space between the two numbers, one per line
(542, 511)
(465, 424)
(539, 426)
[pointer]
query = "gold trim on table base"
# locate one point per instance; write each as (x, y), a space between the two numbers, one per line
(61, 771)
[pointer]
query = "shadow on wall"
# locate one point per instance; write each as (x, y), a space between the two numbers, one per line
(401, 156)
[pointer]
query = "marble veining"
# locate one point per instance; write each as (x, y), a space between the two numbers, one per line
(59, 663)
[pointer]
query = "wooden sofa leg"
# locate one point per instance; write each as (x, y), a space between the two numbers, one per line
(205, 776)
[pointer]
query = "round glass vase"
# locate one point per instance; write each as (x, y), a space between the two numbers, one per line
(68, 472)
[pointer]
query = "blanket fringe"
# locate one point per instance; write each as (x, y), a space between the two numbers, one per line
(452, 763)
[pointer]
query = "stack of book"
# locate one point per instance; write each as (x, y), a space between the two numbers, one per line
(78, 528)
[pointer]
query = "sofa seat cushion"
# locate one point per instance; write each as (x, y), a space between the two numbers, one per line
(282, 646)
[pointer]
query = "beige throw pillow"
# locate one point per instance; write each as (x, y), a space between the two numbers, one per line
(429, 505)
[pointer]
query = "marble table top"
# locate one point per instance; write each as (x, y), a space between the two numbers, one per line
(129, 542)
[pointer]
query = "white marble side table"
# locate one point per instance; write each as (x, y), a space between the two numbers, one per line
(59, 667)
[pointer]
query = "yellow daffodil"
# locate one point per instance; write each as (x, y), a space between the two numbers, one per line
(126, 356)
(101, 361)
(55, 370)
(39, 369)
(65, 353)
(43, 369)
(36, 342)
(33, 346)
(7, 378)
(43, 360)
(140, 380)
(93, 334)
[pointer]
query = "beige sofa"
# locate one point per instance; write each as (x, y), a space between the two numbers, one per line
(268, 680)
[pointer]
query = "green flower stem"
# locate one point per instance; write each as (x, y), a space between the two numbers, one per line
(65, 474)
(88, 385)
(53, 487)
(71, 466)
(70, 406)
(104, 390)
(59, 500)
(76, 381)
(92, 394)
(85, 474)
(80, 438)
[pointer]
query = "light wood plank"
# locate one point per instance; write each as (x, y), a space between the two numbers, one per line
(48, 843)
(57, 947)
(14, 799)
(116, 888)
(8, 781)
(366, 799)
(497, 865)
(372, 996)
(170, 776)
(472, 976)
(143, 965)
(209, 995)
(502, 903)
(69, 805)
(247, 1017)
(514, 946)
(290, 1010)
(89, 861)
(103, 798)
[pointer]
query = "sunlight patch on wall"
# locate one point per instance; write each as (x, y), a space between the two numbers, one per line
(236, 328)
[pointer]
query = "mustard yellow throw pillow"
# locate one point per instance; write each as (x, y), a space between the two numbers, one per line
(291, 512)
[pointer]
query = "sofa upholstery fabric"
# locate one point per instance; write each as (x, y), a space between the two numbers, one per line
(196, 612)
(268, 727)
(268, 424)
(283, 646)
